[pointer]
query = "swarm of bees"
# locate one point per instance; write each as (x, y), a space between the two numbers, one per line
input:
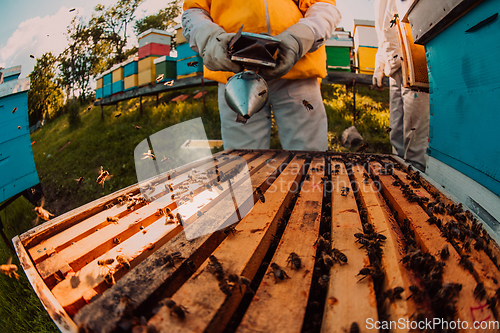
(9, 269)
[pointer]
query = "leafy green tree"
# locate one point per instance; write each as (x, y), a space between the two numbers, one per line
(45, 97)
(162, 20)
(110, 25)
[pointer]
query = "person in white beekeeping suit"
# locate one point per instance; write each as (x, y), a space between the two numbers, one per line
(409, 109)
(302, 26)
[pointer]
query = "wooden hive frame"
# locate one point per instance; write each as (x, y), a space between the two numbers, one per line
(374, 210)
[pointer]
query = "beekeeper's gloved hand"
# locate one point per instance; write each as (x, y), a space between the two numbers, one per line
(209, 40)
(295, 42)
(378, 77)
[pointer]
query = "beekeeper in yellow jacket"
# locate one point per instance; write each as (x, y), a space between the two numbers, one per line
(409, 109)
(302, 26)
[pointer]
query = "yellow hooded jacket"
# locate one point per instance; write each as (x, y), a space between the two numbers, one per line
(231, 14)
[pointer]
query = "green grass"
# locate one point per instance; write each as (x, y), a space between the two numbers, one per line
(111, 143)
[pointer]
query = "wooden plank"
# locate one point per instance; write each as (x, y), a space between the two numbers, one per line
(136, 249)
(63, 322)
(347, 300)
(396, 274)
(152, 280)
(281, 306)
(62, 222)
(242, 254)
(87, 227)
(430, 240)
(484, 269)
(80, 253)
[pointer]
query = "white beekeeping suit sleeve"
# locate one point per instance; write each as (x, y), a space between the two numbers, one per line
(388, 58)
(321, 18)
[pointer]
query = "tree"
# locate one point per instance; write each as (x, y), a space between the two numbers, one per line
(45, 97)
(110, 24)
(162, 20)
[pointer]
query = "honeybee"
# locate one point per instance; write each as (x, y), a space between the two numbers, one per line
(109, 278)
(116, 241)
(192, 63)
(216, 267)
(294, 261)
(149, 154)
(15, 109)
(137, 127)
(339, 256)
(178, 310)
(240, 280)
(224, 286)
(122, 260)
(165, 159)
(323, 280)
(367, 271)
(308, 106)
(169, 83)
(103, 176)
(80, 180)
(180, 220)
(363, 147)
(263, 92)
(9, 268)
(170, 258)
(18, 127)
(159, 78)
(279, 274)
(118, 115)
(41, 213)
(260, 194)
(105, 263)
(112, 219)
(344, 191)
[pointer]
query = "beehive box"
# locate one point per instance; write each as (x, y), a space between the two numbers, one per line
(117, 87)
(106, 90)
(153, 49)
(130, 66)
(130, 82)
(98, 93)
(365, 46)
(167, 66)
(338, 51)
(331, 242)
(154, 36)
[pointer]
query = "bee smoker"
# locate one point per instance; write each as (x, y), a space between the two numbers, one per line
(246, 92)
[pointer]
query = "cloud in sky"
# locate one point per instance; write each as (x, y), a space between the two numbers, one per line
(36, 36)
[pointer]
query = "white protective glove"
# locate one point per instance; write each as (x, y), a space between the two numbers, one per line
(378, 77)
(209, 40)
(295, 42)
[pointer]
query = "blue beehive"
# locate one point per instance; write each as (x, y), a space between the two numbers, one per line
(463, 80)
(98, 93)
(107, 79)
(117, 87)
(130, 68)
(183, 69)
(106, 90)
(17, 165)
(184, 51)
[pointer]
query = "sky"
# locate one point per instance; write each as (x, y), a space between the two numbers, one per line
(33, 27)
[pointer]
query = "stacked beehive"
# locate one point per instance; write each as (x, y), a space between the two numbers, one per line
(189, 63)
(338, 51)
(365, 46)
(98, 87)
(117, 77)
(130, 73)
(107, 81)
(153, 43)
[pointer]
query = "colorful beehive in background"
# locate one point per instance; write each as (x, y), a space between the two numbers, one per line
(107, 81)
(17, 165)
(167, 66)
(130, 70)
(98, 88)
(365, 46)
(338, 51)
(117, 78)
(147, 71)
(189, 63)
(154, 42)
(179, 37)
